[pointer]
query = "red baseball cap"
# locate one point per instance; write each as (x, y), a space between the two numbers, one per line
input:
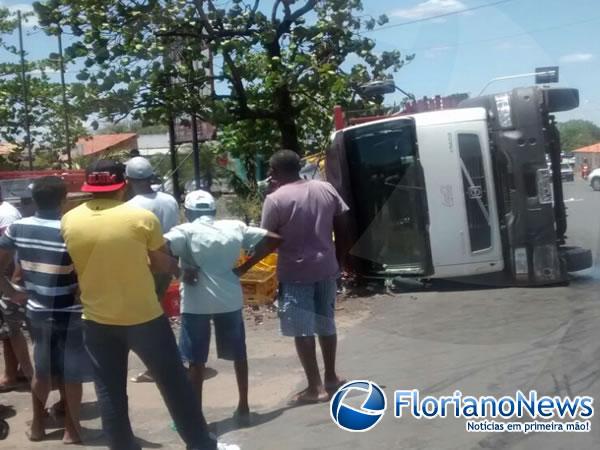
(104, 176)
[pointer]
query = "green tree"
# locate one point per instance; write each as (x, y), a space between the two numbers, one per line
(45, 108)
(575, 134)
(280, 66)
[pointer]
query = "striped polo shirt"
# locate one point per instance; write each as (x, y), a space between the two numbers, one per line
(47, 268)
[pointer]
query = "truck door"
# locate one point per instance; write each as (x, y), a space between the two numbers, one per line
(464, 230)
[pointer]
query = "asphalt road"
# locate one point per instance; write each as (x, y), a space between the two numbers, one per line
(482, 341)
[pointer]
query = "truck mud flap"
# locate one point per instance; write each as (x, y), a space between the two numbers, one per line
(576, 258)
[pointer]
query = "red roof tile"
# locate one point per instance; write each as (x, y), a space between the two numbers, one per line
(6, 148)
(595, 148)
(99, 143)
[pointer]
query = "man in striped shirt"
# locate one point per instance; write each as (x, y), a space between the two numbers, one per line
(52, 306)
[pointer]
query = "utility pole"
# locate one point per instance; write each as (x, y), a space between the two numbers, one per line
(65, 102)
(196, 151)
(173, 154)
(25, 93)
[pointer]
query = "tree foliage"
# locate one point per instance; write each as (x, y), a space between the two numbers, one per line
(45, 107)
(279, 67)
(575, 134)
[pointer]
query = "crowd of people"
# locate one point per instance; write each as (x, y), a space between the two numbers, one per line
(91, 281)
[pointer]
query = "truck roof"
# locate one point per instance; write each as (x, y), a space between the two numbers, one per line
(440, 117)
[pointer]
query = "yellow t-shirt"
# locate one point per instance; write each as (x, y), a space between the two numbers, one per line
(109, 242)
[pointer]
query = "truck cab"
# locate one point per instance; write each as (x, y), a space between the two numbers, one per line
(459, 192)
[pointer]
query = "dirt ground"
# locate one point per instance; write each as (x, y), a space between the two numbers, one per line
(275, 374)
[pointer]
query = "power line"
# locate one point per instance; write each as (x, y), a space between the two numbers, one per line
(509, 36)
(438, 16)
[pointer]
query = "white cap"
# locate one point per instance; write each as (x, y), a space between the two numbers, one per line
(139, 168)
(200, 201)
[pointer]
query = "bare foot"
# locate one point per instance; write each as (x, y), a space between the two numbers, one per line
(333, 384)
(71, 437)
(242, 416)
(309, 396)
(8, 384)
(37, 433)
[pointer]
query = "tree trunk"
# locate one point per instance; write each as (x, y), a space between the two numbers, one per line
(286, 121)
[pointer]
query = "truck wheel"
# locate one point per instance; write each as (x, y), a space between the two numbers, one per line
(576, 258)
(596, 184)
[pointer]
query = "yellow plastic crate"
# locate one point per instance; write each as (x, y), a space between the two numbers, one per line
(259, 286)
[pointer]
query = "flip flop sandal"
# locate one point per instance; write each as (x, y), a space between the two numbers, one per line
(142, 378)
(302, 399)
(332, 388)
(32, 439)
(4, 429)
(4, 388)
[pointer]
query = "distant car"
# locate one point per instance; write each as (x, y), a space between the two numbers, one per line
(566, 172)
(594, 179)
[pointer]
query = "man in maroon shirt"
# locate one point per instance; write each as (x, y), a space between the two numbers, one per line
(303, 214)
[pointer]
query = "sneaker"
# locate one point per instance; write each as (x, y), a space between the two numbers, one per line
(222, 446)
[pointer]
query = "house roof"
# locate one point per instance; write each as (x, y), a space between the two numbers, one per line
(101, 143)
(595, 148)
(6, 148)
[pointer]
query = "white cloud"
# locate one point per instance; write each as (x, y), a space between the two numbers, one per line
(430, 8)
(577, 58)
(25, 8)
(436, 52)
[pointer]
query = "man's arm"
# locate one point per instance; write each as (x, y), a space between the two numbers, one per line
(341, 226)
(6, 287)
(265, 247)
(163, 261)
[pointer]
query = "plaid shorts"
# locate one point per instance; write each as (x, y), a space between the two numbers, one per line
(308, 309)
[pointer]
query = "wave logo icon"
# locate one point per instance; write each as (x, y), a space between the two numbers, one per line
(355, 419)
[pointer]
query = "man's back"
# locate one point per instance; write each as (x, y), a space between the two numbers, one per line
(303, 213)
(213, 246)
(109, 243)
(164, 206)
(47, 268)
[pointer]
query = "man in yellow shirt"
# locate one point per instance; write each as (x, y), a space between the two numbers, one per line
(111, 244)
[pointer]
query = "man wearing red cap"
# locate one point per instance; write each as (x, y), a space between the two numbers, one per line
(110, 244)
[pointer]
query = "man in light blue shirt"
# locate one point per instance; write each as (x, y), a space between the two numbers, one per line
(211, 290)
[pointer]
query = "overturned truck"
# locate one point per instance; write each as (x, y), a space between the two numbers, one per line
(460, 192)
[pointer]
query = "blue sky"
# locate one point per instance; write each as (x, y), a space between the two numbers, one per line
(462, 51)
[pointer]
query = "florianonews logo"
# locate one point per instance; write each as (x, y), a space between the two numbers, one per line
(365, 417)
(360, 405)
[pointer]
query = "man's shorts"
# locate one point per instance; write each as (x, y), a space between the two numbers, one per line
(230, 334)
(12, 318)
(58, 350)
(308, 309)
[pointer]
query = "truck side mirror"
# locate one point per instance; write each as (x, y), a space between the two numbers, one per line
(561, 99)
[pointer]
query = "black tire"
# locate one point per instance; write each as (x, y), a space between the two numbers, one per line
(576, 258)
(596, 183)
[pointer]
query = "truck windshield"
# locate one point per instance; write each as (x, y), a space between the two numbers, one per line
(389, 196)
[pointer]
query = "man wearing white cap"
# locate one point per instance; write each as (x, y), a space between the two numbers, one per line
(139, 173)
(211, 290)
